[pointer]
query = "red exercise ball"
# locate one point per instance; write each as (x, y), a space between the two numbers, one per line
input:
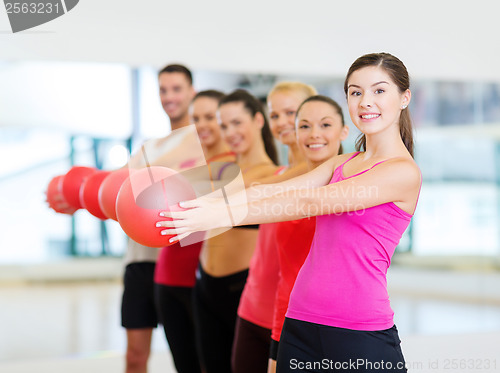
(72, 182)
(89, 193)
(55, 199)
(141, 198)
(53, 189)
(109, 190)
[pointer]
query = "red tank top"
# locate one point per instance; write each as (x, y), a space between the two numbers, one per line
(293, 241)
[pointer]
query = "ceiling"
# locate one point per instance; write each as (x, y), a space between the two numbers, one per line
(444, 39)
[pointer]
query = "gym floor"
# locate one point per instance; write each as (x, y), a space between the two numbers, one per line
(56, 326)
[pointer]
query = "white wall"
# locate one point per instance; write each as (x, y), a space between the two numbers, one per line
(75, 97)
(436, 39)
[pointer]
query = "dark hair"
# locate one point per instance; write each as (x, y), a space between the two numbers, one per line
(399, 75)
(329, 101)
(176, 68)
(210, 93)
(254, 106)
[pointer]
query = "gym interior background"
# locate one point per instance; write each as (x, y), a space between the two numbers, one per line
(82, 90)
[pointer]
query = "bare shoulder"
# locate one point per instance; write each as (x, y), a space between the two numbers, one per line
(322, 174)
(258, 173)
(266, 170)
(403, 169)
(339, 159)
(344, 157)
(288, 173)
(405, 163)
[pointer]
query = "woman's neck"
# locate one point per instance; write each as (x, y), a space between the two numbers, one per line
(384, 144)
(255, 155)
(218, 148)
(311, 165)
(295, 156)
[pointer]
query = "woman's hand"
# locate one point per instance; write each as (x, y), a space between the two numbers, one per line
(201, 214)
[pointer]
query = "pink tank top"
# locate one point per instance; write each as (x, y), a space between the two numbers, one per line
(343, 280)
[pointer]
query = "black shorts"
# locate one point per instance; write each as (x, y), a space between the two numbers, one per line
(273, 350)
(310, 347)
(215, 301)
(250, 347)
(175, 311)
(138, 301)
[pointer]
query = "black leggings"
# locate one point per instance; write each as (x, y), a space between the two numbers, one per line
(250, 347)
(309, 347)
(175, 310)
(216, 302)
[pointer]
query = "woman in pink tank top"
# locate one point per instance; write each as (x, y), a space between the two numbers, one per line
(339, 316)
(320, 130)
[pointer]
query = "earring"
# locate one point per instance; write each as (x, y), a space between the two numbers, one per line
(404, 107)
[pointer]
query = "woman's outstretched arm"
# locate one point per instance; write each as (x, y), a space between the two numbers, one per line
(396, 180)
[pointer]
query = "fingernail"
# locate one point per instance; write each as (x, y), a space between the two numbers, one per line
(162, 214)
(171, 240)
(181, 204)
(163, 233)
(158, 225)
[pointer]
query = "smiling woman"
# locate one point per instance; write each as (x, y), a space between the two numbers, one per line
(203, 113)
(366, 103)
(321, 135)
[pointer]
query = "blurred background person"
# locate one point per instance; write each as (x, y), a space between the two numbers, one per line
(225, 258)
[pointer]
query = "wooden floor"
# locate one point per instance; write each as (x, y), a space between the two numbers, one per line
(75, 327)
(468, 353)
